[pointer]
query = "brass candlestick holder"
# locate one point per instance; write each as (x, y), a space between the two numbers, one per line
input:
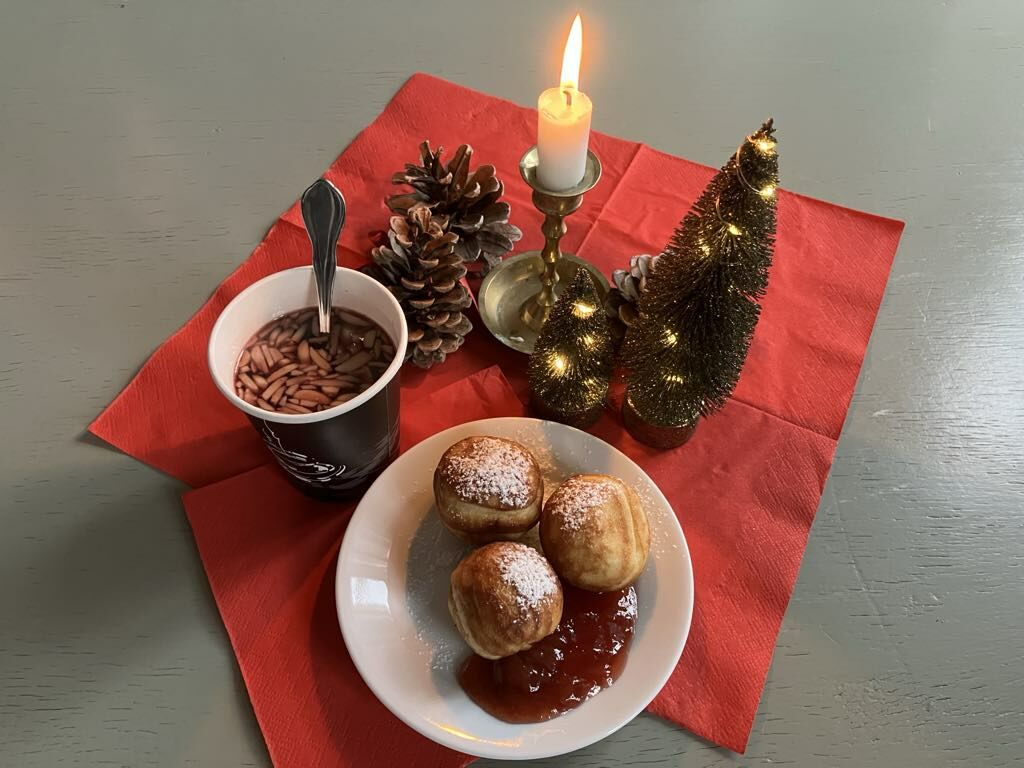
(516, 297)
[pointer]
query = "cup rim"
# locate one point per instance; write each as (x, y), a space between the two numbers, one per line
(309, 418)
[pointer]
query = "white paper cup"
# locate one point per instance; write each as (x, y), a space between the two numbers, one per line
(334, 453)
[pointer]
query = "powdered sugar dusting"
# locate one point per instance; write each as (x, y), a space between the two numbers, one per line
(526, 570)
(433, 555)
(577, 499)
(555, 466)
(491, 469)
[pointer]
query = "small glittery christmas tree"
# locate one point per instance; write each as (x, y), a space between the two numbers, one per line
(699, 308)
(572, 361)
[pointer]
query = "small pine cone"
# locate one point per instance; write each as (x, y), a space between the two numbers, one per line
(469, 201)
(622, 302)
(420, 266)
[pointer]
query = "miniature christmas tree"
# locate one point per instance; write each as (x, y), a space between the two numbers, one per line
(699, 308)
(572, 361)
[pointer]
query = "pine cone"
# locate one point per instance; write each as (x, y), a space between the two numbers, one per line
(421, 267)
(622, 302)
(470, 201)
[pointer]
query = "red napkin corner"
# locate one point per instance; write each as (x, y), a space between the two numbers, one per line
(269, 553)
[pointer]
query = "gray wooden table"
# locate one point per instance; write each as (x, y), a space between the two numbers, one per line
(145, 147)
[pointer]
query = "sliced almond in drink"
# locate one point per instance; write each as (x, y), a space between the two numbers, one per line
(355, 320)
(283, 371)
(332, 345)
(317, 357)
(289, 364)
(358, 360)
(273, 389)
(312, 394)
(248, 383)
(258, 360)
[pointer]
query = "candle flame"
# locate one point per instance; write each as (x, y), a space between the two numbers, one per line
(572, 55)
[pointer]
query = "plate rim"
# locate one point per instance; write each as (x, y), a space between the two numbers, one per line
(445, 739)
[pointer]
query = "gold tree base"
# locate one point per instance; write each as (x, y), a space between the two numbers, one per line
(532, 283)
(578, 419)
(652, 434)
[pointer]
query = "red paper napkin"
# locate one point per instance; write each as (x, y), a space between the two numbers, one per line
(746, 488)
(269, 553)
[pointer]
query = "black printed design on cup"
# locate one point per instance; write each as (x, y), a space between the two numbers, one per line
(298, 465)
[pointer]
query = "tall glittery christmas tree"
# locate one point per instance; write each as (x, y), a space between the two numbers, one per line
(699, 308)
(572, 361)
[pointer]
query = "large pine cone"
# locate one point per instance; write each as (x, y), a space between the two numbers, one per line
(421, 267)
(470, 201)
(623, 300)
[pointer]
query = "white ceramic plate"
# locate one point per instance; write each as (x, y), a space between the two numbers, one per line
(392, 596)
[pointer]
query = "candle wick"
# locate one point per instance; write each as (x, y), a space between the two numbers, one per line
(568, 97)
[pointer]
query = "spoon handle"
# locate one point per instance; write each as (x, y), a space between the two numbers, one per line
(323, 211)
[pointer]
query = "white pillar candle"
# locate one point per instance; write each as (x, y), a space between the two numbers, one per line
(563, 122)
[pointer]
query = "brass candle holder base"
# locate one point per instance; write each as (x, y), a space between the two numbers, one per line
(516, 297)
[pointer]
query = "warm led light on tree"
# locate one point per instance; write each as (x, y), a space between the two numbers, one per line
(572, 360)
(765, 146)
(671, 338)
(582, 309)
(734, 230)
(768, 191)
